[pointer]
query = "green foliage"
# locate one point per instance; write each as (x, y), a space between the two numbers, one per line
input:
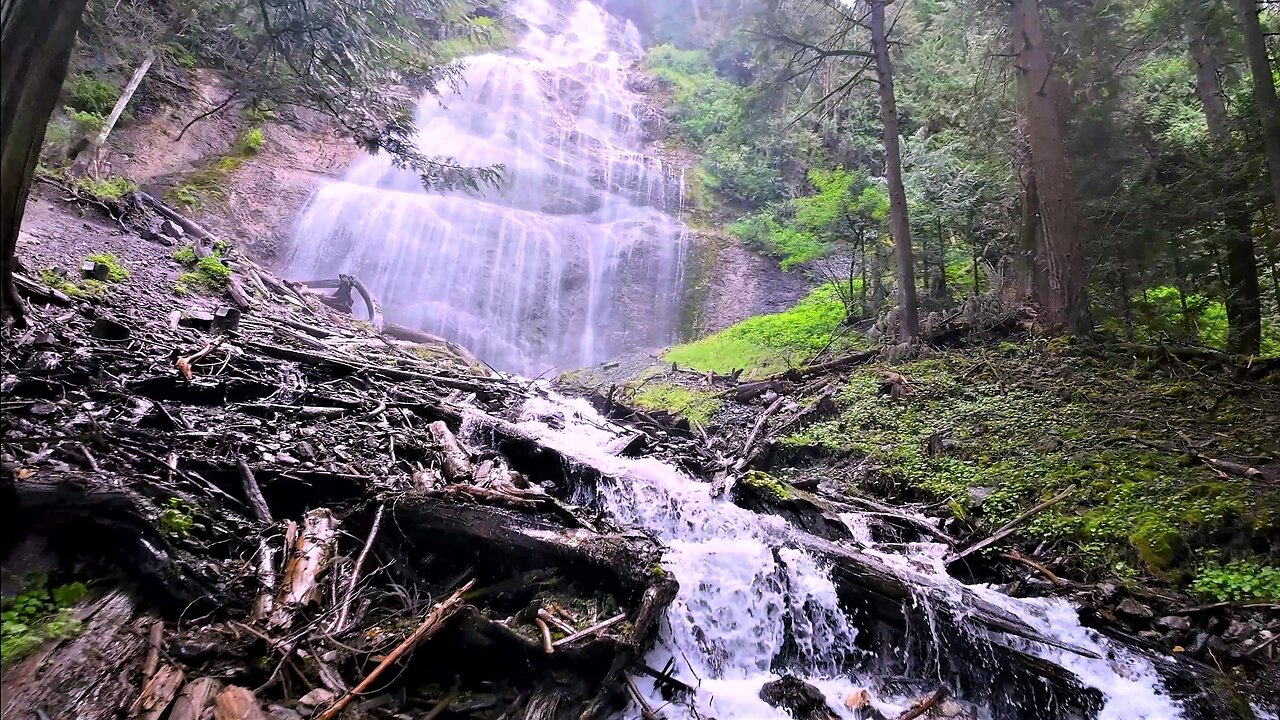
(791, 246)
(208, 274)
(87, 93)
(116, 271)
(697, 406)
(84, 290)
(1161, 315)
(249, 142)
(36, 614)
(177, 518)
(84, 122)
(1134, 507)
(110, 189)
(1239, 580)
(767, 343)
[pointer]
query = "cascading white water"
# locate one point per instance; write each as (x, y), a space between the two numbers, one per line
(752, 606)
(574, 260)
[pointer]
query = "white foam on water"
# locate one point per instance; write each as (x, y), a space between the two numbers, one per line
(743, 591)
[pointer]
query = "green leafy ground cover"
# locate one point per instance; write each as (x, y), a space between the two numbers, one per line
(697, 406)
(770, 343)
(1026, 421)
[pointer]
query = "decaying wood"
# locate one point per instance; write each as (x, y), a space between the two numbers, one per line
(237, 703)
(66, 679)
(456, 461)
(602, 625)
(253, 493)
(157, 694)
(370, 302)
(155, 636)
(924, 705)
(1008, 528)
(430, 624)
(755, 432)
(309, 558)
(197, 696)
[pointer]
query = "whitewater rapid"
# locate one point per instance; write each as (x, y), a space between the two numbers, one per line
(751, 606)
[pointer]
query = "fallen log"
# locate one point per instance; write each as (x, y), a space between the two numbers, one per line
(196, 697)
(310, 556)
(64, 679)
(1008, 528)
(455, 461)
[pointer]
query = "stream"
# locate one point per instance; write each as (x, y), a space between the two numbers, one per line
(753, 605)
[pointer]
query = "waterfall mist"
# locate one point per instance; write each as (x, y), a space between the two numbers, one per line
(575, 259)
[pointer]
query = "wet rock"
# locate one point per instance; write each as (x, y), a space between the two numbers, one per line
(1174, 622)
(1237, 630)
(978, 496)
(1197, 644)
(1131, 609)
(316, 698)
(802, 700)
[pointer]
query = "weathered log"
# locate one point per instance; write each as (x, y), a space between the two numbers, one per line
(309, 557)
(237, 703)
(158, 693)
(518, 542)
(370, 302)
(1006, 529)
(455, 461)
(196, 697)
(252, 492)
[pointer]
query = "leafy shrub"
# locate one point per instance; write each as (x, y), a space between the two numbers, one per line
(177, 518)
(250, 142)
(36, 614)
(85, 122)
(1239, 580)
(89, 94)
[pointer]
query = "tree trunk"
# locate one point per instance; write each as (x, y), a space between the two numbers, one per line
(1244, 306)
(908, 317)
(1066, 307)
(1264, 89)
(1033, 281)
(35, 45)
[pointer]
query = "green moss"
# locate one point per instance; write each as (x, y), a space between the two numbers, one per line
(84, 290)
(767, 484)
(112, 189)
(1136, 509)
(697, 406)
(769, 343)
(250, 142)
(208, 274)
(116, 271)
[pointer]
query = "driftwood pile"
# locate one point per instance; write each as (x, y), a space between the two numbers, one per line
(280, 520)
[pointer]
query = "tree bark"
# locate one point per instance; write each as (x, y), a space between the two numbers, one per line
(1264, 89)
(35, 46)
(1066, 307)
(899, 228)
(1244, 305)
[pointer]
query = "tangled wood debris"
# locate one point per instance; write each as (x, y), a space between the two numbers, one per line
(286, 519)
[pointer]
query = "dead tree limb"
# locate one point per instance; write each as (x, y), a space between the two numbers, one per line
(1008, 528)
(430, 624)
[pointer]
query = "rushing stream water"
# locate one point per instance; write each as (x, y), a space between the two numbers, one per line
(574, 260)
(752, 605)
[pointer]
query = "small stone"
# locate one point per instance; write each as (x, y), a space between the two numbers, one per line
(95, 270)
(1198, 643)
(1236, 630)
(196, 319)
(172, 229)
(316, 698)
(1153, 636)
(279, 712)
(1174, 622)
(225, 320)
(1133, 609)
(978, 496)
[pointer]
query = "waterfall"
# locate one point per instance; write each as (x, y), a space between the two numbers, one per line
(574, 260)
(753, 605)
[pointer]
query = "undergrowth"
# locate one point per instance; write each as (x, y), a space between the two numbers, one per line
(36, 614)
(208, 185)
(769, 343)
(1025, 423)
(208, 274)
(695, 405)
